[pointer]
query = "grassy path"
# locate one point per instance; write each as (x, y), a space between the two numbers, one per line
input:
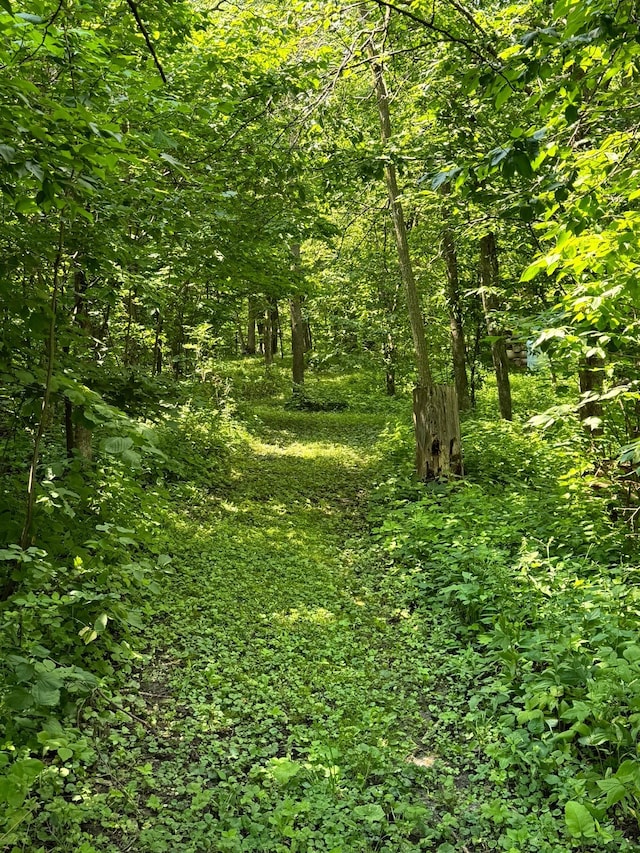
(283, 705)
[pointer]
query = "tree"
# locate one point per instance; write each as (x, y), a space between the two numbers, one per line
(438, 447)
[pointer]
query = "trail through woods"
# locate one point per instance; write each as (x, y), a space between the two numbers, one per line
(282, 706)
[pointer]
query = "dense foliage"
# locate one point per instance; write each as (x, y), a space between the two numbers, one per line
(229, 617)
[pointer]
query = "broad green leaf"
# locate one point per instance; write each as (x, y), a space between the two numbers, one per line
(117, 445)
(19, 699)
(614, 790)
(533, 269)
(46, 690)
(579, 820)
(134, 459)
(371, 812)
(283, 770)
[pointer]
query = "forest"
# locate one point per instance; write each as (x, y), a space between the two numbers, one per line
(319, 426)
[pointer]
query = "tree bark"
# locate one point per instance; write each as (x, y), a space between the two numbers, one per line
(78, 436)
(436, 416)
(389, 356)
(489, 279)
(297, 328)
(437, 425)
(275, 324)
(251, 327)
(297, 341)
(458, 347)
(157, 346)
(306, 328)
(406, 269)
(267, 337)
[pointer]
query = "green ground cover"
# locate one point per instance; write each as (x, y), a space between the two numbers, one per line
(338, 660)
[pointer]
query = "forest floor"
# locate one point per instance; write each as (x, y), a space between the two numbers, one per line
(342, 660)
(283, 708)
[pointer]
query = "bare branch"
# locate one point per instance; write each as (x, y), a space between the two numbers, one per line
(136, 14)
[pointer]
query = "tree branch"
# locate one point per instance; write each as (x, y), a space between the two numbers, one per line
(445, 33)
(136, 14)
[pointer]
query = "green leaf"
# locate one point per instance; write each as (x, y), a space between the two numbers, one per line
(46, 690)
(614, 790)
(117, 445)
(533, 269)
(571, 113)
(503, 95)
(171, 160)
(523, 164)
(371, 812)
(134, 459)
(88, 634)
(6, 5)
(32, 19)
(579, 821)
(19, 699)
(632, 653)
(101, 623)
(283, 770)
(65, 753)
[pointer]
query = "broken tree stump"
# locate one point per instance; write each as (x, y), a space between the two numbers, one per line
(437, 428)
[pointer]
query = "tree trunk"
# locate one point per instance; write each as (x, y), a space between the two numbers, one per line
(458, 347)
(389, 356)
(437, 425)
(275, 324)
(297, 328)
(406, 269)
(267, 338)
(297, 342)
(436, 416)
(489, 279)
(306, 328)
(251, 327)
(157, 347)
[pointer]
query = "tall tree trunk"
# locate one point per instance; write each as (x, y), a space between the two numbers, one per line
(251, 327)
(275, 324)
(438, 449)
(267, 337)
(416, 321)
(297, 329)
(458, 347)
(297, 341)
(157, 346)
(389, 357)
(306, 329)
(489, 280)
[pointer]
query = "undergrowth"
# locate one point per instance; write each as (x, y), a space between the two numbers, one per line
(226, 640)
(532, 592)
